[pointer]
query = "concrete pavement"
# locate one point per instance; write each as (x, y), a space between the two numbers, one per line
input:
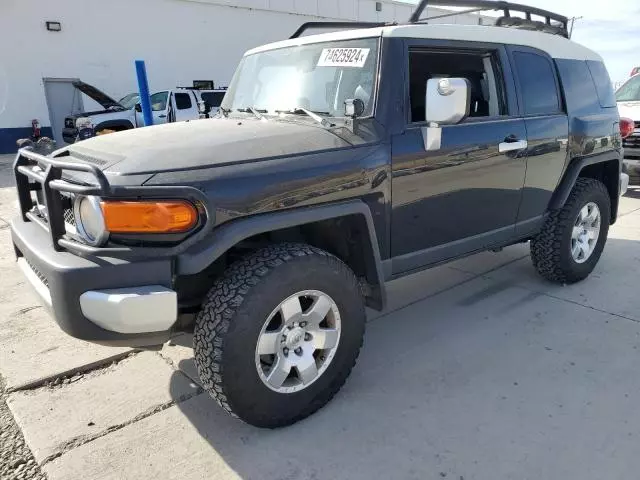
(477, 370)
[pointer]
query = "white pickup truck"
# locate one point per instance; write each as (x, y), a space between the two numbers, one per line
(628, 99)
(174, 105)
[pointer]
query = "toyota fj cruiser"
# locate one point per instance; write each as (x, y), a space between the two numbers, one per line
(338, 162)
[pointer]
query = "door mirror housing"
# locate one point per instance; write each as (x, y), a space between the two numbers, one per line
(138, 107)
(447, 100)
(353, 107)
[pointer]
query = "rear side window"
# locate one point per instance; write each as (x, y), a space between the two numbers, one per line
(183, 101)
(537, 84)
(213, 99)
(602, 82)
(577, 84)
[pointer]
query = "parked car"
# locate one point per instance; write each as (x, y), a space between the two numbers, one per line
(339, 162)
(628, 98)
(174, 105)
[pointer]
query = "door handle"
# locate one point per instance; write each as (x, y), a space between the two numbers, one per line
(162, 116)
(509, 146)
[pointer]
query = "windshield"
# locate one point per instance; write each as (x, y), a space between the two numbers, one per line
(318, 77)
(129, 101)
(629, 91)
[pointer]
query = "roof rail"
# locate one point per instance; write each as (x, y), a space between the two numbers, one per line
(506, 20)
(347, 25)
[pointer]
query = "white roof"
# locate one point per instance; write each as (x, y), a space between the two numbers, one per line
(555, 45)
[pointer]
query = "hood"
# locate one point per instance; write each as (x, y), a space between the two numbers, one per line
(630, 110)
(99, 96)
(200, 144)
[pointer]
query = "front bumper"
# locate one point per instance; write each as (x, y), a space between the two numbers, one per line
(631, 153)
(624, 183)
(631, 166)
(103, 300)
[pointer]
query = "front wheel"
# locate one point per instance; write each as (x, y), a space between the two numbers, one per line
(279, 333)
(571, 241)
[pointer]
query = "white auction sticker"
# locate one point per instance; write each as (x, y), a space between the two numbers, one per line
(343, 57)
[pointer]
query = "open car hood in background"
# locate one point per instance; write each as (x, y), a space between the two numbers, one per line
(99, 96)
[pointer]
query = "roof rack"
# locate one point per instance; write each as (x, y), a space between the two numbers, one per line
(337, 25)
(561, 28)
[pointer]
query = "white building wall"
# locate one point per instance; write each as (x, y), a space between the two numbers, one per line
(180, 40)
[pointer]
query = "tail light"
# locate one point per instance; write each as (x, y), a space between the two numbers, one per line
(627, 127)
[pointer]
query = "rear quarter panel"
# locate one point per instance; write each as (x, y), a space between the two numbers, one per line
(593, 122)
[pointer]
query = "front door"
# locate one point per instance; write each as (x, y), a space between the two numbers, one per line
(63, 100)
(465, 195)
(160, 109)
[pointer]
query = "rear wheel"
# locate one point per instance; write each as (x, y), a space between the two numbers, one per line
(573, 237)
(279, 334)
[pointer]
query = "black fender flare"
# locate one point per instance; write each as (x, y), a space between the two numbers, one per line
(571, 174)
(113, 123)
(222, 238)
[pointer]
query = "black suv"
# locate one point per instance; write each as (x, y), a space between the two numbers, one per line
(338, 162)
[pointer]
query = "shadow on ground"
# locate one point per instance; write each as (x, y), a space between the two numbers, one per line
(500, 377)
(633, 192)
(6, 174)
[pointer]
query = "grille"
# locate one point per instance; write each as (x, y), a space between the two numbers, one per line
(38, 273)
(69, 217)
(632, 142)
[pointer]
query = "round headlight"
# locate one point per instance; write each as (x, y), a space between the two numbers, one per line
(89, 220)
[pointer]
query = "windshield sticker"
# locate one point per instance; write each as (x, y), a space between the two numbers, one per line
(343, 57)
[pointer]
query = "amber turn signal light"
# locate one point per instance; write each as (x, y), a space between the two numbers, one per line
(149, 217)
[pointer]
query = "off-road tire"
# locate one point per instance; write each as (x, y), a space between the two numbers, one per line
(551, 248)
(235, 309)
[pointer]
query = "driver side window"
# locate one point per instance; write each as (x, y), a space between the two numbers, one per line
(479, 68)
(159, 101)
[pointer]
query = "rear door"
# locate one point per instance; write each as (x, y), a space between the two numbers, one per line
(184, 106)
(547, 127)
(464, 196)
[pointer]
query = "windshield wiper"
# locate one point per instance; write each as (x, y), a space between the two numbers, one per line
(315, 115)
(256, 111)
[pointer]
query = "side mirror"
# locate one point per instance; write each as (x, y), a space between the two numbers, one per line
(353, 107)
(447, 100)
(138, 107)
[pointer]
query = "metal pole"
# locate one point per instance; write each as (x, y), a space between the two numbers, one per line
(143, 89)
